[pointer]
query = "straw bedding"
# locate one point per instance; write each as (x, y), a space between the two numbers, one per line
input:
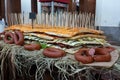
(15, 62)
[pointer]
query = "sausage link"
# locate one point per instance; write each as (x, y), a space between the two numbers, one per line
(102, 55)
(18, 38)
(83, 56)
(32, 47)
(53, 52)
(102, 58)
(8, 38)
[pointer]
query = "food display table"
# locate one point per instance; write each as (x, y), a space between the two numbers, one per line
(19, 64)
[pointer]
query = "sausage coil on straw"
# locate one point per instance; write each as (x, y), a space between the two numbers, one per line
(18, 38)
(53, 52)
(32, 47)
(86, 55)
(83, 56)
(9, 38)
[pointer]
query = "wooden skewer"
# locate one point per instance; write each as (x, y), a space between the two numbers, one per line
(86, 20)
(16, 18)
(9, 23)
(92, 22)
(67, 15)
(48, 19)
(80, 20)
(12, 21)
(89, 20)
(63, 19)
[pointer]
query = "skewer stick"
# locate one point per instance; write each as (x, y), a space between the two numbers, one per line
(73, 21)
(37, 18)
(59, 19)
(25, 20)
(12, 19)
(86, 20)
(67, 15)
(79, 21)
(9, 20)
(82, 19)
(21, 18)
(16, 19)
(93, 21)
(47, 19)
(90, 20)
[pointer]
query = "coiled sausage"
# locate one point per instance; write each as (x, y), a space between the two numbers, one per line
(104, 50)
(32, 47)
(53, 52)
(18, 38)
(102, 55)
(101, 51)
(9, 38)
(83, 56)
(102, 58)
(109, 48)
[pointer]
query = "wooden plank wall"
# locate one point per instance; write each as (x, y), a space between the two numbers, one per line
(85, 6)
(34, 6)
(15, 6)
(2, 9)
(88, 6)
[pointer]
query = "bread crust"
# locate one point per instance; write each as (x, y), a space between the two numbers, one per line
(57, 31)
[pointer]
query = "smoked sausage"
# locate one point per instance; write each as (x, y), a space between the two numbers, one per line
(32, 47)
(18, 38)
(83, 56)
(102, 55)
(8, 38)
(53, 52)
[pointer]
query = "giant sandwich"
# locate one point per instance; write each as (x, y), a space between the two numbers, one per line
(68, 39)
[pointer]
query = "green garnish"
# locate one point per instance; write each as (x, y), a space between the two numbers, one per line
(43, 45)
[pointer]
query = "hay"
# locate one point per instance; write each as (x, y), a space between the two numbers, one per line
(17, 61)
